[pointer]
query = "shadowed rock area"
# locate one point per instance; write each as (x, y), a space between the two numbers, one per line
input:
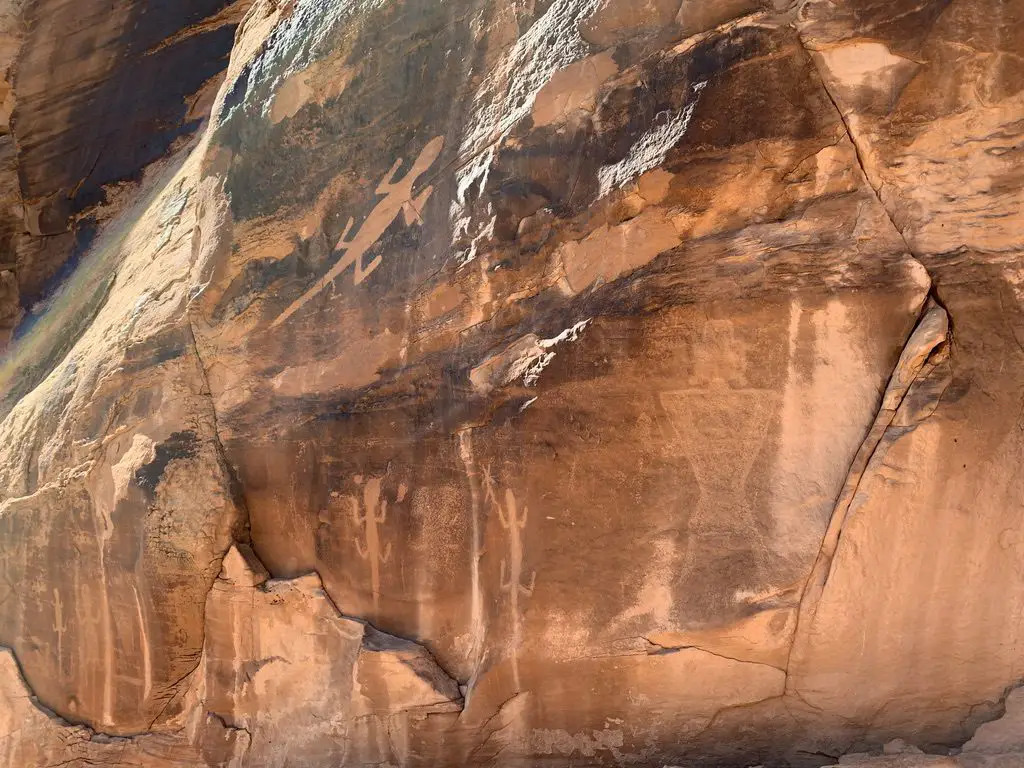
(94, 91)
(512, 383)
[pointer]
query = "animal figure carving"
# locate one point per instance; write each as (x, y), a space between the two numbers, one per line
(398, 199)
(512, 568)
(374, 513)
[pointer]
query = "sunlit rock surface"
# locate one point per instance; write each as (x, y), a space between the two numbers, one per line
(496, 383)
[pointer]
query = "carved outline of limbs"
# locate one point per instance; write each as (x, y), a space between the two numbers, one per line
(507, 584)
(512, 522)
(364, 519)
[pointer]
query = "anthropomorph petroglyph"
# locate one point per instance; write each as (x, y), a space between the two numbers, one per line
(719, 420)
(398, 199)
(720, 425)
(374, 512)
(513, 521)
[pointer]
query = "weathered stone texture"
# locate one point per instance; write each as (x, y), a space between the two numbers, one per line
(563, 383)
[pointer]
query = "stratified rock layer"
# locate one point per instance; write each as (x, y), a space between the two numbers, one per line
(579, 382)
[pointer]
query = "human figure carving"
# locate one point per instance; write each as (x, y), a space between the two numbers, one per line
(721, 423)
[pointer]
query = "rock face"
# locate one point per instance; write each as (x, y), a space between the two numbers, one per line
(504, 383)
(93, 92)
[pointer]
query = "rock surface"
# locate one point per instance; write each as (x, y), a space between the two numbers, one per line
(570, 382)
(93, 91)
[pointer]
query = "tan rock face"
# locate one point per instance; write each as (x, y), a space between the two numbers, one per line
(356, 694)
(293, 680)
(565, 383)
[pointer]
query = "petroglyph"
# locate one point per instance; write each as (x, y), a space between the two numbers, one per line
(60, 626)
(513, 521)
(720, 430)
(374, 513)
(720, 424)
(512, 569)
(398, 199)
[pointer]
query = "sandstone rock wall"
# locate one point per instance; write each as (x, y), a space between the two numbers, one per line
(93, 92)
(577, 382)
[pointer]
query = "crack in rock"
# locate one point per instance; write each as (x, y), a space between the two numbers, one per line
(930, 334)
(659, 649)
